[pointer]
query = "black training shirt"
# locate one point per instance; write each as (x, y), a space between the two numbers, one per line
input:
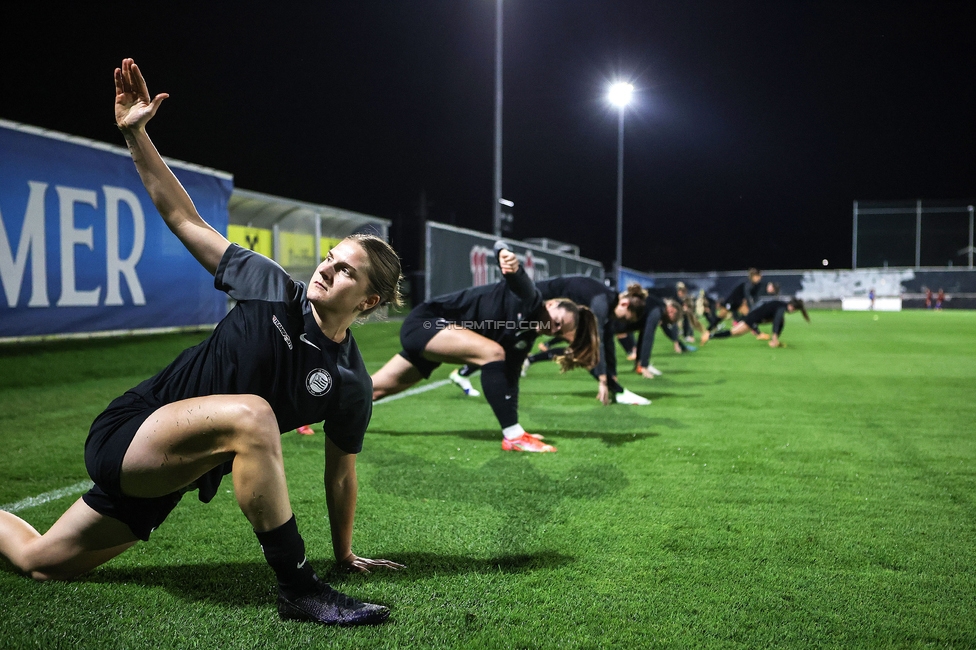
(504, 312)
(765, 312)
(601, 300)
(270, 345)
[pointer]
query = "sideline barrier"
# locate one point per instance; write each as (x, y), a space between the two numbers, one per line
(864, 304)
(457, 258)
(84, 253)
(828, 289)
(82, 248)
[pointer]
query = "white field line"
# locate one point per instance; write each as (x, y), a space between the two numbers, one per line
(41, 499)
(84, 486)
(413, 391)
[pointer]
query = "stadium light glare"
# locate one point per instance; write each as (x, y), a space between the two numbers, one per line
(620, 94)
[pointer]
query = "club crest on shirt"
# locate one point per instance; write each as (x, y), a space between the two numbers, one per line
(318, 382)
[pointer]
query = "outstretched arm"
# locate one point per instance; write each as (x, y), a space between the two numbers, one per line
(341, 492)
(133, 109)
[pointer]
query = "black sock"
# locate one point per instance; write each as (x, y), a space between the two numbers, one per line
(494, 384)
(284, 550)
(722, 335)
(468, 369)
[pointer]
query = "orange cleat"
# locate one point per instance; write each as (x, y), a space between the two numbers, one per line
(305, 430)
(526, 442)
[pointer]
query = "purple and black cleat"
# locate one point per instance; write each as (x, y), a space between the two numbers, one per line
(326, 606)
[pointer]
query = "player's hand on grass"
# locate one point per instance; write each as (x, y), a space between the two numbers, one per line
(604, 395)
(355, 564)
(133, 105)
(646, 373)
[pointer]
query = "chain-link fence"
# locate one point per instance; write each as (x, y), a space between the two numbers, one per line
(912, 234)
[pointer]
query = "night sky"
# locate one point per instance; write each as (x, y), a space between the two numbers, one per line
(755, 126)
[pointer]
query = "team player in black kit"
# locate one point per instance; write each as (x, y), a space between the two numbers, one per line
(738, 303)
(660, 312)
(770, 311)
(494, 327)
(282, 357)
(608, 307)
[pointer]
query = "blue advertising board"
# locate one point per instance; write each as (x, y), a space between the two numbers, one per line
(83, 249)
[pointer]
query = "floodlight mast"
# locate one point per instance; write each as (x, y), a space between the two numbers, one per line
(620, 95)
(496, 207)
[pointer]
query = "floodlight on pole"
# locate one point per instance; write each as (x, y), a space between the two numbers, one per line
(620, 95)
(496, 208)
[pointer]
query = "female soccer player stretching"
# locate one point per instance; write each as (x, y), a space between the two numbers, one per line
(773, 311)
(491, 326)
(607, 306)
(282, 357)
(663, 312)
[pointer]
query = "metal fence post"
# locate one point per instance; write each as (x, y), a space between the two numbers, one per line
(918, 233)
(970, 237)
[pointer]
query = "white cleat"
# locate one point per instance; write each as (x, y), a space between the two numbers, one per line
(464, 384)
(654, 371)
(627, 397)
(525, 367)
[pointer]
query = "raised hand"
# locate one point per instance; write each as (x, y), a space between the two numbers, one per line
(133, 105)
(508, 262)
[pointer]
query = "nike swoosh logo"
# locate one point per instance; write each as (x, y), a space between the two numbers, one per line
(305, 340)
(302, 563)
(508, 397)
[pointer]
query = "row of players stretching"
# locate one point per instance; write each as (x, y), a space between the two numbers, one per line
(282, 357)
(750, 304)
(676, 313)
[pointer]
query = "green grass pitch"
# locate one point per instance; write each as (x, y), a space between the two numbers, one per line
(821, 495)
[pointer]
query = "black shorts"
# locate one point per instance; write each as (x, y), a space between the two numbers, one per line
(109, 438)
(419, 327)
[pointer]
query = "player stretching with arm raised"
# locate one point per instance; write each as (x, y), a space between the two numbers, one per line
(282, 357)
(491, 326)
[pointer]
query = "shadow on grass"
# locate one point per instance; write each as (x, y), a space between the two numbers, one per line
(428, 565)
(524, 496)
(249, 584)
(609, 439)
(227, 583)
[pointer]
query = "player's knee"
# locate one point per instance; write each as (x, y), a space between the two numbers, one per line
(256, 424)
(48, 575)
(37, 568)
(494, 353)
